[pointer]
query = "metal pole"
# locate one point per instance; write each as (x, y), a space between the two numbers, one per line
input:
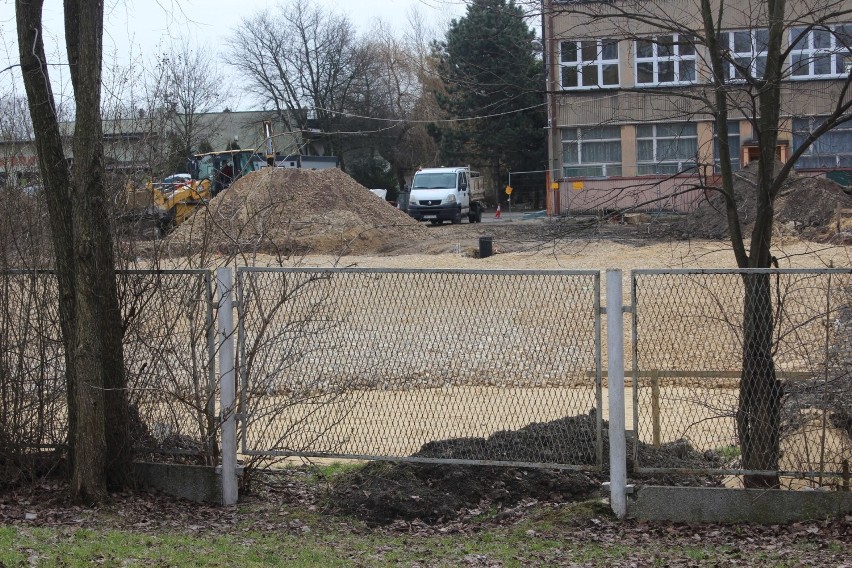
(510, 195)
(227, 387)
(212, 445)
(615, 355)
(655, 409)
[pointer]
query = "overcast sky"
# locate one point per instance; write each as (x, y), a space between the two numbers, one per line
(139, 29)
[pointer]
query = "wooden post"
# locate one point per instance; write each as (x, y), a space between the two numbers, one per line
(655, 407)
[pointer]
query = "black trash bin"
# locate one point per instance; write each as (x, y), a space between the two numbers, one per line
(486, 247)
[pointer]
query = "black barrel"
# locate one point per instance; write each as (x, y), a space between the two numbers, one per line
(486, 247)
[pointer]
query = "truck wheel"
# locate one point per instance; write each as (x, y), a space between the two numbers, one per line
(457, 218)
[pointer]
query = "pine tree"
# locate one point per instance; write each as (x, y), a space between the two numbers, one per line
(489, 69)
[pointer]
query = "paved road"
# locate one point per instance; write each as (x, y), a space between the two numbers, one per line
(489, 216)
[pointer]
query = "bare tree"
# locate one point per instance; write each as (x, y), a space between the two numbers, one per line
(189, 84)
(303, 62)
(694, 65)
(389, 104)
(80, 227)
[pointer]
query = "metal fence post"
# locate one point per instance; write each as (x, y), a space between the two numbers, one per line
(615, 364)
(225, 339)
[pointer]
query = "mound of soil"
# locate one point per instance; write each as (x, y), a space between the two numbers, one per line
(295, 211)
(382, 492)
(806, 206)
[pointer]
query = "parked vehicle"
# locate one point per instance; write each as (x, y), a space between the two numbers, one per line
(446, 194)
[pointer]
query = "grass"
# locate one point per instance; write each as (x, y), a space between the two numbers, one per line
(82, 547)
(546, 539)
(48, 547)
(261, 532)
(728, 453)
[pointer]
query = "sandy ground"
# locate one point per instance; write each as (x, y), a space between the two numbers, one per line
(398, 423)
(543, 244)
(400, 416)
(405, 402)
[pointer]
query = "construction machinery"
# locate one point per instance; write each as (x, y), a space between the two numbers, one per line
(159, 207)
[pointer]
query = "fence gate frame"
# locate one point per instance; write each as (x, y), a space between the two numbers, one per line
(242, 412)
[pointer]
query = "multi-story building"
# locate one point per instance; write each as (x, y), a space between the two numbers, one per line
(631, 107)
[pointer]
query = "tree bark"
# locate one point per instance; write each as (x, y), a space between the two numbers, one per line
(77, 204)
(56, 180)
(759, 412)
(759, 409)
(98, 347)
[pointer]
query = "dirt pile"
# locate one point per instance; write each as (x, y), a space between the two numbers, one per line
(294, 211)
(806, 206)
(381, 492)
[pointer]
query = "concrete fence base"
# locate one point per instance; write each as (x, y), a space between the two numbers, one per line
(720, 505)
(202, 484)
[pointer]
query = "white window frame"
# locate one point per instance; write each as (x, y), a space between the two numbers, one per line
(656, 59)
(607, 168)
(841, 158)
(580, 64)
(657, 141)
(806, 48)
(753, 56)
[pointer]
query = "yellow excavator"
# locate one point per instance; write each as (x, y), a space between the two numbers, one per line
(162, 206)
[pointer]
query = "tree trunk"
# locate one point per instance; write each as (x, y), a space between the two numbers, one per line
(98, 347)
(56, 180)
(77, 204)
(759, 411)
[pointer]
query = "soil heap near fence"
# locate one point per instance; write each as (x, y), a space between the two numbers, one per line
(806, 206)
(382, 492)
(295, 211)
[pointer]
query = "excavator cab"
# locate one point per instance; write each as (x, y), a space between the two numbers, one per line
(224, 167)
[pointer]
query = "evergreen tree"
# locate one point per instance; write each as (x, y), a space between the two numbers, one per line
(489, 69)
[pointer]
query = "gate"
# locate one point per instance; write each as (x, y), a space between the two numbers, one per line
(390, 363)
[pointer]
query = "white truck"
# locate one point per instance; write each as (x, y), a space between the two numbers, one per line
(446, 194)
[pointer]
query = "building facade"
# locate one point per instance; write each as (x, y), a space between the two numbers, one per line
(141, 144)
(631, 114)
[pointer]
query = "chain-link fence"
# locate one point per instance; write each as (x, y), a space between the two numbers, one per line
(384, 364)
(753, 366)
(169, 355)
(169, 352)
(32, 366)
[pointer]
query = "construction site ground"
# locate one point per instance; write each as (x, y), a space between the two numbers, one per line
(281, 216)
(527, 241)
(325, 219)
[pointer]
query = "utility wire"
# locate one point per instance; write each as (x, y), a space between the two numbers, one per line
(464, 119)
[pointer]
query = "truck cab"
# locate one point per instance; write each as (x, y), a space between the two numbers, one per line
(446, 194)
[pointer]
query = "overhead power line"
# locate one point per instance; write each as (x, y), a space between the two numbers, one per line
(463, 119)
